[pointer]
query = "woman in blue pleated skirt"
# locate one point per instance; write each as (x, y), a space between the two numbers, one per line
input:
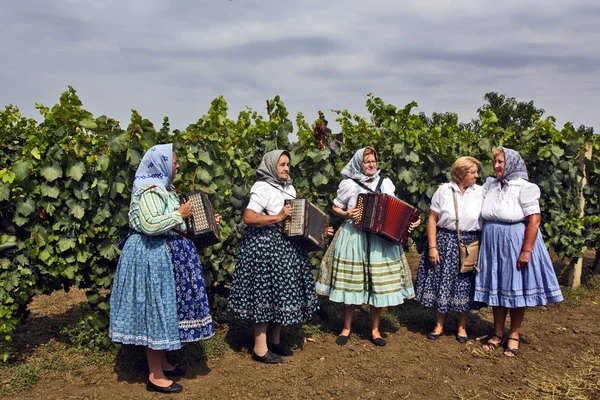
(516, 270)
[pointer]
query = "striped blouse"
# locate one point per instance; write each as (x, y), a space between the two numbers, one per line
(154, 212)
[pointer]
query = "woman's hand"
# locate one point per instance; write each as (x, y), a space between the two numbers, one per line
(434, 256)
(523, 261)
(218, 219)
(329, 231)
(185, 209)
(285, 212)
(412, 226)
(353, 213)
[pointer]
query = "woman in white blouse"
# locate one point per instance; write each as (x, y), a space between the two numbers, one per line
(440, 284)
(367, 269)
(516, 269)
(272, 283)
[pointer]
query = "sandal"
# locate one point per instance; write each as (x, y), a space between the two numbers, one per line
(491, 345)
(510, 350)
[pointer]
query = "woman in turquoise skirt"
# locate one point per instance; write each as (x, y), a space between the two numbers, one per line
(158, 299)
(367, 269)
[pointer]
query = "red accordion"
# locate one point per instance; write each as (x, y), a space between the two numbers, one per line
(386, 216)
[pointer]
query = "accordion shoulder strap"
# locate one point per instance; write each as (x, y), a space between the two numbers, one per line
(377, 189)
(282, 191)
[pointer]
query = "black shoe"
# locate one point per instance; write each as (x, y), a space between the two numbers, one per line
(174, 372)
(341, 340)
(378, 342)
(462, 339)
(172, 388)
(434, 336)
(268, 358)
(279, 349)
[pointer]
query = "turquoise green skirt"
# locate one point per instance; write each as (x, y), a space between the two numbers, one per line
(380, 278)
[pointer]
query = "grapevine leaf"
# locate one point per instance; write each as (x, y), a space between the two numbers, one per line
(49, 191)
(4, 191)
(51, 171)
(76, 171)
(25, 208)
(21, 170)
(35, 153)
(88, 123)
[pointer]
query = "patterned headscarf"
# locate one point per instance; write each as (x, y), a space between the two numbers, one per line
(267, 170)
(156, 167)
(355, 169)
(514, 166)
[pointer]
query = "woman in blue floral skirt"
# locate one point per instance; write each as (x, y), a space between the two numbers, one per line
(158, 299)
(440, 284)
(272, 283)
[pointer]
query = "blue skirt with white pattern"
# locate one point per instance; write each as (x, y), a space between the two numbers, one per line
(193, 311)
(444, 287)
(500, 283)
(158, 297)
(273, 280)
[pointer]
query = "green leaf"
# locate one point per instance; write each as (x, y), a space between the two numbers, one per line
(35, 153)
(65, 244)
(102, 187)
(75, 209)
(118, 187)
(557, 151)
(104, 162)
(319, 179)
(21, 170)
(119, 142)
(203, 175)
(51, 171)
(205, 158)
(88, 123)
(49, 191)
(76, 171)
(107, 250)
(25, 208)
(4, 192)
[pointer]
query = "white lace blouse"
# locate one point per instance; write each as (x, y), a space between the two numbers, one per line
(468, 204)
(348, 191)
(264, 197)
(513, 203)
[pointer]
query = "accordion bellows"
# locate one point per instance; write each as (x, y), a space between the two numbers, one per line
(202, 228)
(307, 225)
(385, 215)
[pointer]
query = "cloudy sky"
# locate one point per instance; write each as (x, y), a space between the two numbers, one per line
(172, 57)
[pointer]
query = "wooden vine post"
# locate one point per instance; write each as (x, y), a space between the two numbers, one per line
(575, 273)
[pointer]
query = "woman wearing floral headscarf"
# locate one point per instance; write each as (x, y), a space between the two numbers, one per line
(516, 270)
(158, 299)
(367, 269)
(272, 282)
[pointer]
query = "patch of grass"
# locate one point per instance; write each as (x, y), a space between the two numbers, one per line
(18, 377)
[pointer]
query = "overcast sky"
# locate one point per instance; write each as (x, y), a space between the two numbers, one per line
(173, 57)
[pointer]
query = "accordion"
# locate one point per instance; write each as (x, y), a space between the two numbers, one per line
(202, 228)
(307, 225)
(386, 216)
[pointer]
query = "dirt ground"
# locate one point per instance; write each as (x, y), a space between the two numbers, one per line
(560, 353)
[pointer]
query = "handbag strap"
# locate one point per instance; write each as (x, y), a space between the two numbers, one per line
(456, 214)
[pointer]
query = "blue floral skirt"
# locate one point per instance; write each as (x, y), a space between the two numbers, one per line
(193, 311)
(272, 281)
(500, 283)
(444, 287)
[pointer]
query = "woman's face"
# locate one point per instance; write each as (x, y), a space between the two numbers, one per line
(370, 165)
(470, 177)
(499, 165)
(283, 167)
(174, 166)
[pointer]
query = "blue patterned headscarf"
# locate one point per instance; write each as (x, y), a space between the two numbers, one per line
(355, 169)
(514, 166)
(156, 167)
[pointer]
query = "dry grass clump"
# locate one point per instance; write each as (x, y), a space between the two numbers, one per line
(580, 382)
